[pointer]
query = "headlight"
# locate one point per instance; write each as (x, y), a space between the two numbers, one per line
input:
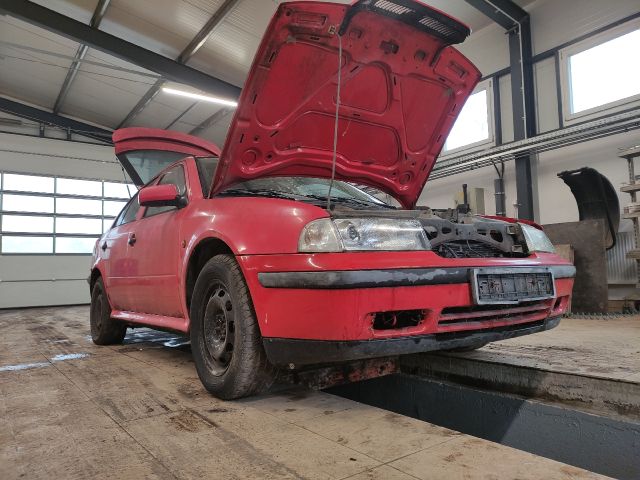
(363, 234)
(537, 240)
(319, 236)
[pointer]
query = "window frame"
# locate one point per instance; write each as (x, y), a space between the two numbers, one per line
(206, 188)
(490, 141)
(54, 215)
(158, 179)
(119, 220)
(564, 54)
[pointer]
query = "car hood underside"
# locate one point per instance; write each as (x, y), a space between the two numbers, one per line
(402, 87)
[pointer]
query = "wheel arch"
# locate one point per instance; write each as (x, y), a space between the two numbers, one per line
(204, 251)
(93, 278)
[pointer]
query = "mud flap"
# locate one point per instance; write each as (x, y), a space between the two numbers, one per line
(596, 198)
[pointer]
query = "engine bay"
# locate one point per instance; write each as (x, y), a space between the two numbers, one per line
(462, 235)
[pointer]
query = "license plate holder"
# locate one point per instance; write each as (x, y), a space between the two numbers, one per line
(511, 286)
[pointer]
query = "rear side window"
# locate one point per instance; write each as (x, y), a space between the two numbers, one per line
(176, 177)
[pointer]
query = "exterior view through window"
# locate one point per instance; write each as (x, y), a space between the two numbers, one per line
(56, 215)
(472, 126)
(603, 74)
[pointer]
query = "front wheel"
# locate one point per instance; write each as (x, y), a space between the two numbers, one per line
(104, 329)
(225, 337)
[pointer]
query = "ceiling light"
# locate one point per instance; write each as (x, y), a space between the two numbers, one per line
(202, 98)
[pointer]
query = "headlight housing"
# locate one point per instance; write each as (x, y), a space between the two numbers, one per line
(537, 240)
(362, 234)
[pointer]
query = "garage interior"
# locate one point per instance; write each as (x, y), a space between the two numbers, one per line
(551, 134)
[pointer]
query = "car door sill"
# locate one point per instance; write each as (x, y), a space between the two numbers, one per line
(156, 321)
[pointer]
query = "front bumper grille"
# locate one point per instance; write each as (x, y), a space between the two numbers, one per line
(486, 316)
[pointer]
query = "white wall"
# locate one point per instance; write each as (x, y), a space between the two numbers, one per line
(555, 202)
(553, 24)
(34, 280)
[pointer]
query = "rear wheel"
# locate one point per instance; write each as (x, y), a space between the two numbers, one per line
(104, 329)
(225, 337)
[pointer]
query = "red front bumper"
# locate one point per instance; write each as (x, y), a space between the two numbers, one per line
(347, 314)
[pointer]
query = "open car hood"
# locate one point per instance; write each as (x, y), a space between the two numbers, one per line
(402, 88)
(145, 152)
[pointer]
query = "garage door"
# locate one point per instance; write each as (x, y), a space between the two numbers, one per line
(48, 228)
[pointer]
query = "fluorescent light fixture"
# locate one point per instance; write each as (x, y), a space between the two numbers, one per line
(202, 98)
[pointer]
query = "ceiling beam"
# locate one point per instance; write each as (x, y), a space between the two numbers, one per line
(189, 51)
(79, 32)
(516, 21)
(211, 121)
(182, 114)
(505, 13)
(52, 119)
(98, 15)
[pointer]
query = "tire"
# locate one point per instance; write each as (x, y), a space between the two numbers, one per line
(225, 336)
(104, 329)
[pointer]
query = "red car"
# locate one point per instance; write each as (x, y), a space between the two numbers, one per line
(267, 262)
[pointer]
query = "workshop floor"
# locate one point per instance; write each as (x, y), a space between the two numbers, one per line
(607, 348)
(69, 409)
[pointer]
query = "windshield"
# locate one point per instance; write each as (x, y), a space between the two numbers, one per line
(317, 188)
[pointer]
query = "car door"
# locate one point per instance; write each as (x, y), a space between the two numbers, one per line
(155, 252)
(119, 270)
(147, 275)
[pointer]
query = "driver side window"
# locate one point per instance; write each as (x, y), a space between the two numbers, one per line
(176, 177)
(128, 213)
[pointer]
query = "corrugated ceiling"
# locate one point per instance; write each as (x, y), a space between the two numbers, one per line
(104, 96)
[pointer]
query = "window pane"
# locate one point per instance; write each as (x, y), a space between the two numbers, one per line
(206, 171)
(106, 225)
(27, 183)
(119, 190)
(67, 186)
(26, 203)
(27, 224)
(78, 206)
(79, 225)
(74, 245)
(27, 244)
(605, 73)
(149, 163)
(472, 125)
(112, 209)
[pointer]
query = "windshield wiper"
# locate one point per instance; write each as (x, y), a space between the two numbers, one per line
(256, 193)
(351, 200)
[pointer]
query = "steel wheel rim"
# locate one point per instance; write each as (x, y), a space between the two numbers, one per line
(219, 330)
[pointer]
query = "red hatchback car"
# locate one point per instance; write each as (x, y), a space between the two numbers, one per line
(242, 249)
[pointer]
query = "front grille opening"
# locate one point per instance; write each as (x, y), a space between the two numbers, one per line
(484, 313)
(503, 316)
(398, 319)
(488, 308)
(468, 249)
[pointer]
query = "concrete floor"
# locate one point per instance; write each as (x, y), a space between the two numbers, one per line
(69, 409)
(607, 349)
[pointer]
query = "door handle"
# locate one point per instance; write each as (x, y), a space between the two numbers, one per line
(103, 246)
(132, 239)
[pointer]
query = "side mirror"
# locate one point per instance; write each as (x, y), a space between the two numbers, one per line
(160, 196)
